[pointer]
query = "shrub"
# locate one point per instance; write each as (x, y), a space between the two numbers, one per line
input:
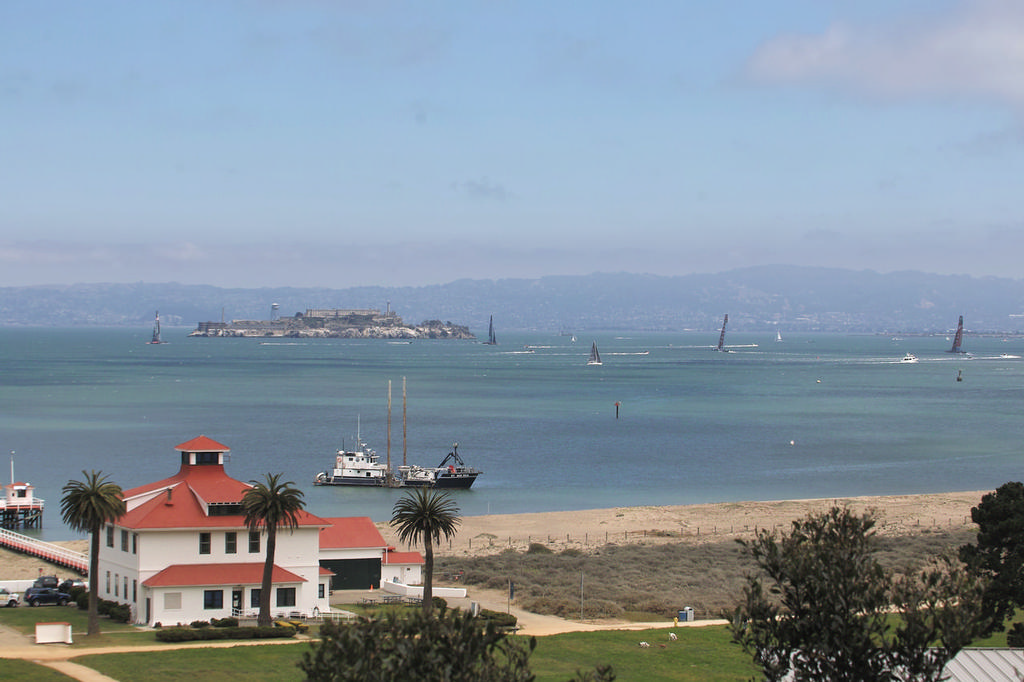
(200, 623)
(499, 619)
(83, 601)
(229, 622)
(439, 604)
(538, 548)
(120, 613)
(184, 634)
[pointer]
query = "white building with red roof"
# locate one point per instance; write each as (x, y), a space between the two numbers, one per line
(181, 552)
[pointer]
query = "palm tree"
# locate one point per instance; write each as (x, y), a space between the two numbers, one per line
(427, 514)
(269, 506)
(86, 506)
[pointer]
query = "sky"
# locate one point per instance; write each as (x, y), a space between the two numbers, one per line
(340, 143)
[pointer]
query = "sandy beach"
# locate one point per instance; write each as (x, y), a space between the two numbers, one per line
(589, 529)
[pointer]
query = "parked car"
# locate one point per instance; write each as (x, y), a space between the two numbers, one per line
(70, 584)
(34, 596)
(46, 581)
(8, 598)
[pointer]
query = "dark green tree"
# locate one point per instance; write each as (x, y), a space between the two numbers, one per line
(998, 554)
(450, 646)
(825, 613)
(425, 514)
(87, 506)
(268, 506)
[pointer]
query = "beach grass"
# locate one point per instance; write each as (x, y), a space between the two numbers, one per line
(657, 579)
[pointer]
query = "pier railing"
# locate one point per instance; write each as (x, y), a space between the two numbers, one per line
(55, 554)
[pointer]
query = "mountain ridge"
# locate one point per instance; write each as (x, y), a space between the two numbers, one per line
(757, 298)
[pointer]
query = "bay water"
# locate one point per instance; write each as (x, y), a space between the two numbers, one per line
(664, 420)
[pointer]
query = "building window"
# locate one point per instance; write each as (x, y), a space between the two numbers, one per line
(110, 536)
(254, 599)
(207, 458)
(254, 542)
(124, 541)
(172, 601)
(135, 543)
(135, 590)
(125, 593)
(230, 542)
(286, 596)
(108, 582)
(204, 543)
(320, 591)
(117, 579)
(213, 599)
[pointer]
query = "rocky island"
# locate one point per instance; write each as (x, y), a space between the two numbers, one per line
(336, 323)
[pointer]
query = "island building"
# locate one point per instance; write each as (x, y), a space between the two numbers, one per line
(181, 551)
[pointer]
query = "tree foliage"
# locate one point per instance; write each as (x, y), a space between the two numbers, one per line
(819, 608)
(425, 514)
(449, 646)
(86, 506)
(268, 506)
(998, 555)
(452, 646)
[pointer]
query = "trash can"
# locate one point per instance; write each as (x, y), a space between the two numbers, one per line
(682, 615)
(686, 614)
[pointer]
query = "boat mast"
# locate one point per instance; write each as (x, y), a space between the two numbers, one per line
(404, 425)
(721, 337)
(389, 425)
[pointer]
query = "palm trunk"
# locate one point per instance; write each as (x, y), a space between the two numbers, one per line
(428, 579)
(94, 581)
(268, 573)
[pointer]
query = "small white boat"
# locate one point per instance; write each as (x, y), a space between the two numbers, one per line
(909, 358)
(595, 357)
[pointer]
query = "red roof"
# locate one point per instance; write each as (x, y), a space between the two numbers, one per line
(184, 510)
(202, 444)
(403, 558)
(351, 532)
(193, 575)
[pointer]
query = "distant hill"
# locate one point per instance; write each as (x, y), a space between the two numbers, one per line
(756, 299)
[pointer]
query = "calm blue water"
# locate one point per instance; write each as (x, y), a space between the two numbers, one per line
(813, 416)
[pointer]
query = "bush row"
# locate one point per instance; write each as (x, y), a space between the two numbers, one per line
(182, 634)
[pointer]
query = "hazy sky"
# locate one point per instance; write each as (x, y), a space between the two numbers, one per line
(337, 143)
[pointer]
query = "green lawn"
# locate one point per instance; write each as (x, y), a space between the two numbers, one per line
(20, 671)
(701, 653)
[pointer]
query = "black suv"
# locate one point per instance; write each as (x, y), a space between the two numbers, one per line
(34, 596)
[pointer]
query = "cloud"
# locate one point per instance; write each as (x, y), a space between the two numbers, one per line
(482, 189)
(975, 50)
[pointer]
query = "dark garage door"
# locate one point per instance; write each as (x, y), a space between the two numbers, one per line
(353, 574)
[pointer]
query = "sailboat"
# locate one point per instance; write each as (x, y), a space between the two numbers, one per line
(156, 330)
(595, 357)
(721, 337)
(959, 338)
(492, 340)
(778, 336)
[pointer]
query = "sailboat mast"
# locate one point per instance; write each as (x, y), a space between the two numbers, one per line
(389, 424)
(721, 337)
(404, 426)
